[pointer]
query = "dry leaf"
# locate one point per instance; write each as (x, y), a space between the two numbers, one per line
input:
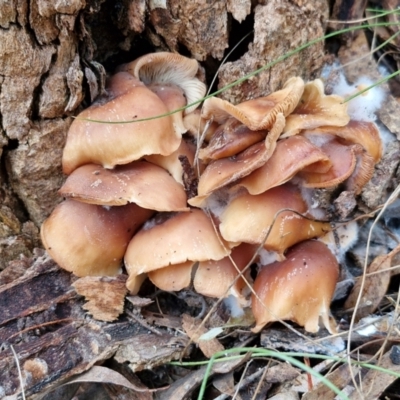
(225, 383)
(105, 295)
(183, 388)
(139, 302)
(194, 331)
(375, 285)
(107, 375)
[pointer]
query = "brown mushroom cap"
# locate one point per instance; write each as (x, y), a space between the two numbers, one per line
(217, 278)
(343, 159)
(290, 156)
(170, 68)
(229, 139)
(258, 113)
(248, 218)
(140, 182)
(316, 109)
(299, 288)
(120, 143)
(220, 173)
(183, 237)
(361, 132)
(88, 239)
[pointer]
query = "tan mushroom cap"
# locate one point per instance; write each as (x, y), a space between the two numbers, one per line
(140, 182)
(220, 173)
(361, 132)
(110, 144)
(171, 68)
(343, 159)
(248, 219)
(217, 278)
(290, 156)
(173, 277)
(183, 237)
(229, 139)
(298, 289)
(316, 109)
(259, 113)
(88, 239)
(172, 163)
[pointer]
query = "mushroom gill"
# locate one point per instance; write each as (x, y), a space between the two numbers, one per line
(259, 113)
(316, 109)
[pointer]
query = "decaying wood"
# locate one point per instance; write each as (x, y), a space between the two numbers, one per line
(274, 24)
(43, 319)
(105, 295)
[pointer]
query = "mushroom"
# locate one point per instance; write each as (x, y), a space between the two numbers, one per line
(298, 289)
(316, 109)
(291, 156)
(249, 218)
(176, 239)
(361, 132)
(88, 239)
(342, 157)
(172, 69)
(224, 171)
(140, 182)
(259, 113)
(117, 141)
(229, 139)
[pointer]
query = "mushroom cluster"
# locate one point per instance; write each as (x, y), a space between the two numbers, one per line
(190, 197)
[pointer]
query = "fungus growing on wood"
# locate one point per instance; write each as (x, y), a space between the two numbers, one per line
(316, 109)
(343, 160)
(229, 139)
(290, 156)
(224, 171)
(298, 289)
(88, 239)
(118, 142)
(140, 182)
(175, 240)
(259, 113)
(249, 218)
(361, 132)
(170, 69)
(153, 166)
